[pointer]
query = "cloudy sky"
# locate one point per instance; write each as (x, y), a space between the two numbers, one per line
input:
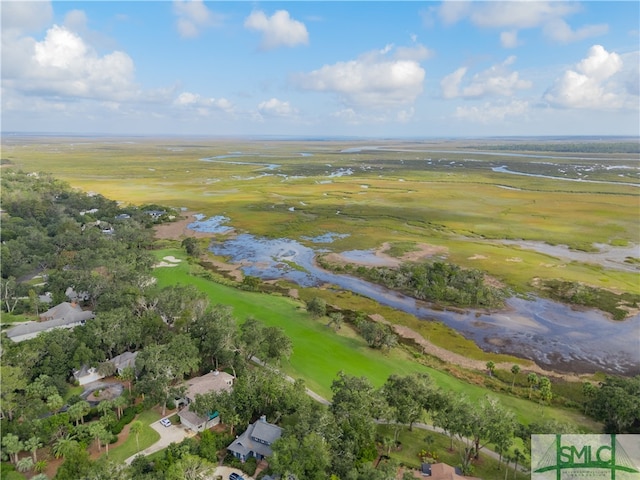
(389, 69)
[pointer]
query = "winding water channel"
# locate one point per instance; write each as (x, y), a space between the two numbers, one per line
(552, 334)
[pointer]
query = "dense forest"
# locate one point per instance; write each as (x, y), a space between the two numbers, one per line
(58, 240)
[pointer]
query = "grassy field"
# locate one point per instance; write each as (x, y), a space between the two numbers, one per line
(454, 199)
(148, 436)
(319, 353)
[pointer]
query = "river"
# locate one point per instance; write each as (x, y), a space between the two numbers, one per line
(550, 333)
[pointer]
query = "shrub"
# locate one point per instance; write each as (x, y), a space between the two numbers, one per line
(249, 467)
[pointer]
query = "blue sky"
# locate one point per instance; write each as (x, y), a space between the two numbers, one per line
(381, 69)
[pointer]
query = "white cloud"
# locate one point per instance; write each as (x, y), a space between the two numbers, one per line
(193, 17)
(373, 80)
(561, 32)
(509, 39)
(492, 113)
(75, 20)
(23, 17)
(203, 105)
(594, 83)
(451, 83)
(451, 12)
(495, 81)
(514, 15)
(519, 14)
(64, 65)
(278, 30)
(276, 108)
(417, 53)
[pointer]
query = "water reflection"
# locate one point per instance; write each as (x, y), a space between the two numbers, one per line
(548, 332)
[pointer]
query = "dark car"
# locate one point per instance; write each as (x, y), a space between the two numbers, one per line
(235, 476)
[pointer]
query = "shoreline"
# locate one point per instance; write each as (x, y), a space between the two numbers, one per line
(178, 230)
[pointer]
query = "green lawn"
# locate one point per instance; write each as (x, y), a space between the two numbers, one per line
(148, 436)
(319, 353)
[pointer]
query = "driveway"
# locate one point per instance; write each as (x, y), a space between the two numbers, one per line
(226, 471)
(168, 435)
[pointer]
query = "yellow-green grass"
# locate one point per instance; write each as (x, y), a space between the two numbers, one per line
(412, 442)
(434, 205)
(319, 353)
(147, 437)
(436, 332)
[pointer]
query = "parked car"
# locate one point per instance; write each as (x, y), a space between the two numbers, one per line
(235, 476)
(166, 422)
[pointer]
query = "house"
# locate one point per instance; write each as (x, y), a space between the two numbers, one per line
(124, 360)
(64, 315)
(442, 471)
(214, 381)
(256, 440)
(86, 375)
(155, 214)
(74, 296)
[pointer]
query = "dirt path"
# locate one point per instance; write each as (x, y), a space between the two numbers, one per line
(178, 230)
(462, 361)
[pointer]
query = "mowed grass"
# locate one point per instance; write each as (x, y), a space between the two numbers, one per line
(319, 353)
(147, 437)
(393, 197)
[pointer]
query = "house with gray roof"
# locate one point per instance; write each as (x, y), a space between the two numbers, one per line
(124, 360)
(64, 315)
(87, 374)
(256, 440)
(214, 381)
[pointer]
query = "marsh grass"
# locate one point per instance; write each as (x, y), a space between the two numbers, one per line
(452, 199)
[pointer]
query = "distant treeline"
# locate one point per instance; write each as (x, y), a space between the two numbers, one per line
(580, 147)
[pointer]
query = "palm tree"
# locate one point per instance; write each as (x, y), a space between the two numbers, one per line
(507, 459)
(532, 379)
(105, 438)
(105, 406)
(64, 446)
(12, 446)
(517, 456)
(77, 411)
(515, 370)
(128, 375)
(32, 445)
(491, 367)
(119, 403)
(136, 428)
(97, 431)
